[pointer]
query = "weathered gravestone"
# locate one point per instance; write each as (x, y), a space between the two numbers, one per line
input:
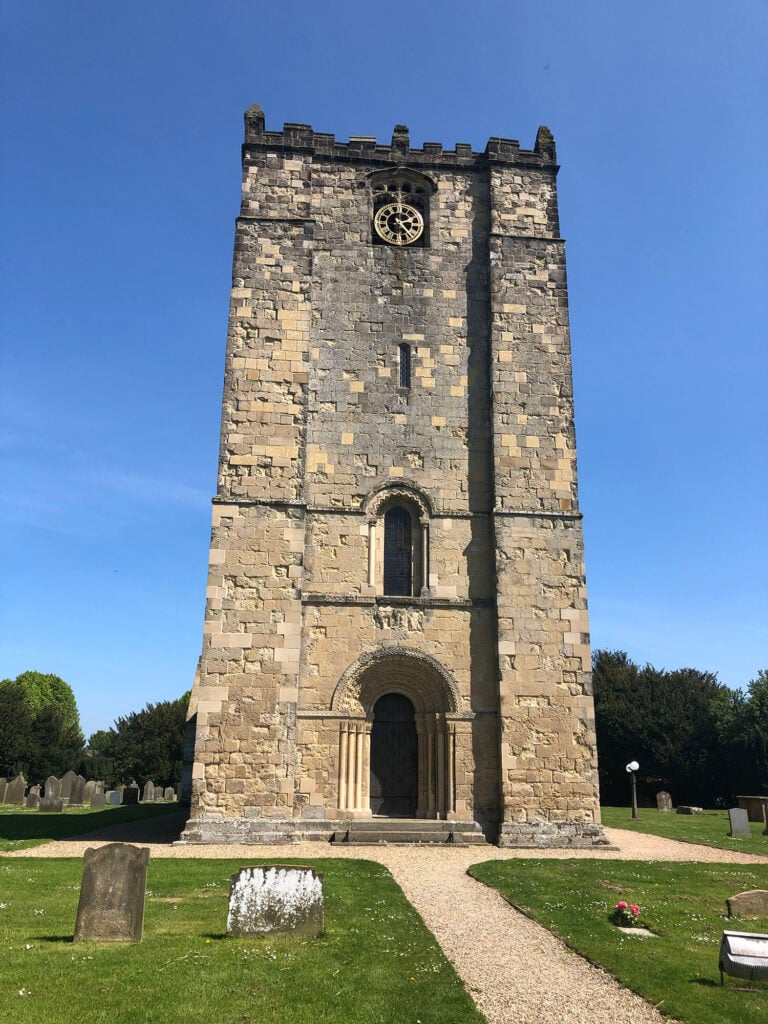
(3, 787)
(33, 799)
(114, 797)
(66, 784)
(131, 795)
(753, 903)
(90, 789)
(77, 793)
(149, 791)
(686, 809)
(52, 805)
(98, 801)
(739, 822)
(277, 899)
(169, 793)
(14, 794)
(51, 791)
(111, 907)
(664, 801)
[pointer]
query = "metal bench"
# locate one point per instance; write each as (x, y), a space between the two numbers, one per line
(744, 955)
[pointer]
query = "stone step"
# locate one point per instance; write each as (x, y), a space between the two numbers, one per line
(410, 831)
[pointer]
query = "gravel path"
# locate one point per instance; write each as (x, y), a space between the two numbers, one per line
(516, 971)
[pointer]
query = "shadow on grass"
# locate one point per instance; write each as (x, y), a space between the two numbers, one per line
(158, 823)
(54, 938)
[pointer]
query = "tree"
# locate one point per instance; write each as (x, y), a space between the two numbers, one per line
(39, 726)
(662, 719)
(147, 744)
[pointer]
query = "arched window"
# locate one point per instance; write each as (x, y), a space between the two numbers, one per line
(405, 366)
(398, 552)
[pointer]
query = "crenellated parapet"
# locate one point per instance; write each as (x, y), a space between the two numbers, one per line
(302, 138)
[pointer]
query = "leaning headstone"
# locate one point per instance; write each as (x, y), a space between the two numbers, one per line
(685, 809)
(753, 903)
(114, 797)
(149, 791)
(33, 799)
(664, 801)
(14, 794)
(278, 899)
(111, 907)
(98, 801)
(65, 788)
(131, 795)
(169, 793)
(77, 793)
(739, 822)
(51, 791)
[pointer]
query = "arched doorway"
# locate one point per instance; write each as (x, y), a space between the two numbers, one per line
(394, 757)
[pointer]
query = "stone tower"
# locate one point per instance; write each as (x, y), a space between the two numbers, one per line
(396, 625)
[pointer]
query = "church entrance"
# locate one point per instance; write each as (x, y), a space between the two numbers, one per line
(394, 757)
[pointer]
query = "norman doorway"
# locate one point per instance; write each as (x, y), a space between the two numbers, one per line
(394, 757)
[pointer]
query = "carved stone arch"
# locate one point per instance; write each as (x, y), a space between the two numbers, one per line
(404, 175)
(416, 675)
(401, 490)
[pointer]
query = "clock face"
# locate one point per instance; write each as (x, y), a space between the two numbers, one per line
(398, 223)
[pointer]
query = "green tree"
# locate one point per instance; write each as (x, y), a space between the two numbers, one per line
(662, 719)
(39, 726)
(149, 744)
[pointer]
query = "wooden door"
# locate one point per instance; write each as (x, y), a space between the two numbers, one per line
(394, 757)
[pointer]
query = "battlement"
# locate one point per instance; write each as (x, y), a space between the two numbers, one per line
(301, 137)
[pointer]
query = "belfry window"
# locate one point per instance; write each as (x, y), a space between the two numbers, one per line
(398, 552)
(405, 365)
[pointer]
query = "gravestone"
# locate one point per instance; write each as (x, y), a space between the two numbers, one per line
(739, 822)
(54, 805)
(33, 799)
(114, 797)
(664, 801)
(685, 809)
(90, 789)
(3, 787)
(51, 791)
(753, 903)
(65, 787)
(277, 899)
(14, 794)
(149, 791)
(169, 793)
(99, 784)
(131, 795)
(77, 793)
(98, 801)
(111, 907)
(35, 791)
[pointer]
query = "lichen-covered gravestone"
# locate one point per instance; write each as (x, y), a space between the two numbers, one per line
(664, 801)
(275, 900)
(753, 903)
(33, 799)
(14, 794)
(111, 907)
(169, 793)
(739, 822)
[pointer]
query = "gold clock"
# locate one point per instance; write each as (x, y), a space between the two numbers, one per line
(398, 223)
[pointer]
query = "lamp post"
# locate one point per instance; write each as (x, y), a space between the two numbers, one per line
(632, 768)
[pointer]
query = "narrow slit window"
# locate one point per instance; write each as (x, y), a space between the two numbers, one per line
(405, 366)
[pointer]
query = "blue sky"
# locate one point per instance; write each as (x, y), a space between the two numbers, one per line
(121, 131)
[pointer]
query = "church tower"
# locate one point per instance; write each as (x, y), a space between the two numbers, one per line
(396, 637)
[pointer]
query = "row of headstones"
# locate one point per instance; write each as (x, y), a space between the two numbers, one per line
(276, 899)
(738, 816)
(73, 791)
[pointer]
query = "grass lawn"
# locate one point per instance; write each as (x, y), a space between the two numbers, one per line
(375, 964)
(21, 828)
(684, 904)
(710, 828)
